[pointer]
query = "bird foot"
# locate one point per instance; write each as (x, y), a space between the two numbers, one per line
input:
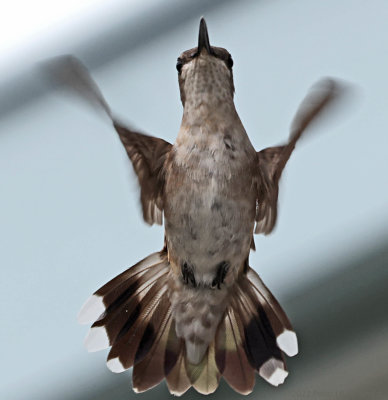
(222, 270)
(188, 274)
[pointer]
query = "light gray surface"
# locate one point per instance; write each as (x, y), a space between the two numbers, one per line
(70, 218)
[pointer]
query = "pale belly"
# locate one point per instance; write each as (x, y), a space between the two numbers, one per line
(209, 220)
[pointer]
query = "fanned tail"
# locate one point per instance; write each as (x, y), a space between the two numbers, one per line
(205, 376)
(149, 368)
(178, 381)
(231, 357)
(285, 336)
(133, 315)
(254, 333)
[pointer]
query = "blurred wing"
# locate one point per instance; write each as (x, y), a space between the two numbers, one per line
(271, 161)
(147, 153)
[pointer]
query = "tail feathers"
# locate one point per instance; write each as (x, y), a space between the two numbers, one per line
(96, 305)
(252, 336)
(123, 312)
(132, 314)
(205, 376)
(178, 381)
(149, 363)
(124, 303)
(231, 357)
(130, 340)
(285, 336)
(260, 341)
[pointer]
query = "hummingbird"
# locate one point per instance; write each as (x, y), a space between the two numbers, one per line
(196, 311)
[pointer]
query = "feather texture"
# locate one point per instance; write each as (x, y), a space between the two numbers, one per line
(95, 307)
(138, 323)
(127, 342)
(147, 153)
(149, 370)
(285, 336)
(149, 315)
(177, 379)
(205, 376)
(142, 266)
(260, 341)
(231, 358)
(272, 160)
(126, 308)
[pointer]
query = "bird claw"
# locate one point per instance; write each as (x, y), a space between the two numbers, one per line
(222, 270)
(188, 274)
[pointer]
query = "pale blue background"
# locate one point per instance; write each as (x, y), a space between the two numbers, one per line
(69, 215)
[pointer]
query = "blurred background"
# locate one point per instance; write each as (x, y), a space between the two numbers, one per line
(70, 217)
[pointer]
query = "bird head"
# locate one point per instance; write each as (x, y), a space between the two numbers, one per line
(205, 71)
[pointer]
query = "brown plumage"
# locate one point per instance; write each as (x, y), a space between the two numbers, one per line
(205, 376)
(177, 379)
(196, 311)
(272, 160)
(149, 367)
(127, 343)
(141, 330)
(148, 155)
(231, 357)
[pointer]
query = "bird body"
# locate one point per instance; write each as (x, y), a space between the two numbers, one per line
(196, 311)
(210, 194)
(209, 205)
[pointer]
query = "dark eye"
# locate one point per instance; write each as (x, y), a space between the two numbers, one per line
(179, 65)
(229, 62)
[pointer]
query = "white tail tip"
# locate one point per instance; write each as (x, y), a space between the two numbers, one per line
(288, 342)
(273, 371)
(97, 339)
(91, 310)
(115, 365)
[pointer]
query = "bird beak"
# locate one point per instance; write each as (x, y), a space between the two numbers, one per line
(203, 38)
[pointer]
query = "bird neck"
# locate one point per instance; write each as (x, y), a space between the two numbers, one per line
(213, 111)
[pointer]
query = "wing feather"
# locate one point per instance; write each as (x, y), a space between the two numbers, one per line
(147, 154)
(272, 160)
